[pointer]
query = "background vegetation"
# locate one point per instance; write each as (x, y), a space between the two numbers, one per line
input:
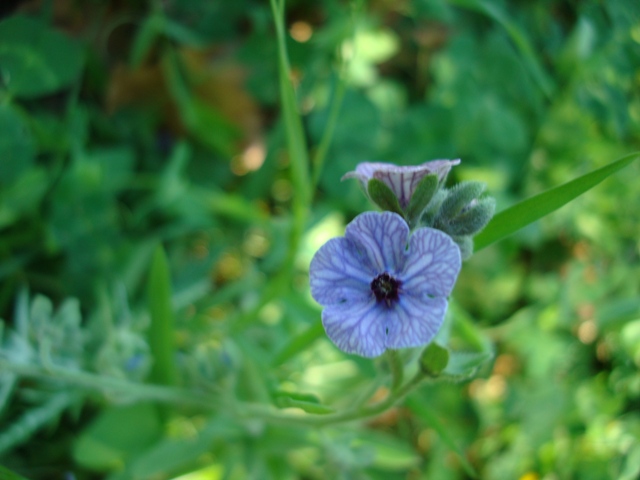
(126, 125)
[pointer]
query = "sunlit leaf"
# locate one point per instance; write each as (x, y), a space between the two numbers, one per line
(528, 211)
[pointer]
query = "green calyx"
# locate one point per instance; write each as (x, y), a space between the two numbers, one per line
(383, 196)
(422, 196)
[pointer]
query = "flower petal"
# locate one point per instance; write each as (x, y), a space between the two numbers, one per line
(383, 239)
(432, 264)
(357, 327)
(414, 321)
(340, 271)
(364, 171)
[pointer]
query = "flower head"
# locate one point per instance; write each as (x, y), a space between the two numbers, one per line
(382, 288)
(401, 180)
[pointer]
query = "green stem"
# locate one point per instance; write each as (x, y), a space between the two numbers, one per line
(112, 385)
(361, 413)
(396, 368)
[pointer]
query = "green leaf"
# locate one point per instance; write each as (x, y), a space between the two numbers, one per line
(161, 330)
(117, 435)
(528, 211)
(464, 365)
(309, 407)
(383, 196)
(17, 147)
(36, 60)
(422, 195)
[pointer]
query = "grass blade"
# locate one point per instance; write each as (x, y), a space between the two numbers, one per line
(528, 211)
(293, 125)
(519, 38)
(161, 330)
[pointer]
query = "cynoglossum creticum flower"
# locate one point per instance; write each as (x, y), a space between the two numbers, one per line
(402, 180)
(381, 287)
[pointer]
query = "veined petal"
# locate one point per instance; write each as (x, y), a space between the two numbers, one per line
(383, 239)
(402, 180)
(339, 272)
(414, 321)
(433, 263)
(364, 171)
(357, 327)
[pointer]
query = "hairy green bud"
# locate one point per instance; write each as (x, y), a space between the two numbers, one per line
(459, 197)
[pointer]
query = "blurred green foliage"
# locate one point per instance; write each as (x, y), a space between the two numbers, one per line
(128, 125)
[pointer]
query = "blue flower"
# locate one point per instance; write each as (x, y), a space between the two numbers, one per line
(402, 180)
(382, 288)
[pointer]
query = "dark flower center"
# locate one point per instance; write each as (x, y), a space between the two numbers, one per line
(385, 287)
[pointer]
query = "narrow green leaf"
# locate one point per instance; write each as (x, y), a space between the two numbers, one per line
(298, 396)
(528, 211)
(33, 419)
(383, 196)
(422, 195)
(293, 124)
(145, 38)
(202, 120)
(519, 38)
(161, 330)
(309, 407)
(298, 343)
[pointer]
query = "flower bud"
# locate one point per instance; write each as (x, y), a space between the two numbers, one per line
(434, 359)
(464, 214)
(459, 197)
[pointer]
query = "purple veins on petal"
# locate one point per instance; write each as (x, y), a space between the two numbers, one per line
(415, 321)
(339, 272)
(358, 328)
(433, 264)
(402, 180)
(383, 237)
